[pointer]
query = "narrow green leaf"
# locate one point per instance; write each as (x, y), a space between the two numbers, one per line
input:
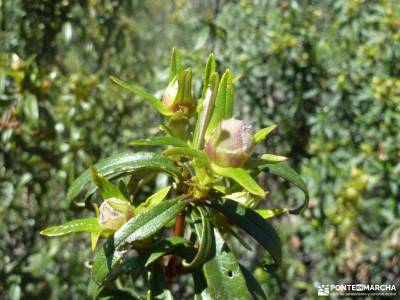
(79, 225)
(252, 285)
(241, 177)
(229, 97)
(272, 158)
(222, 272)
(261, 135)
(209, 69)
(205, 110)
(160, 141)
(94, 238)
(158, 287)
(154, 199)
(271, 212)
(121, 164)
(285, 171)
(204, 235)
(137, 90)
(149, 222)
(186, 152)
(106, 188)
(251, 222)
(220, 103)
(175, 66)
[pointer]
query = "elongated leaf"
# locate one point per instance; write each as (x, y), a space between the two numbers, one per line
(220, 103)
(109, 263)
(204, 232)
(260, 135)
(149, 222)
(175, 68)
(229, 97)
(271, 212)
(253, 224)
(205, 110)
(252, 285)
(160, 141)
(94, 238)
(272, 158)
(138, 90)
(158, 287)
(209, 69)
(154, 199)
(80, 225)
(106, 188)
(123, 163)
(222, 272)
(186, 152)
(241, 177)
(285, 171)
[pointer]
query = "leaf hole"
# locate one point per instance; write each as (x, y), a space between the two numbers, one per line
(230, 273)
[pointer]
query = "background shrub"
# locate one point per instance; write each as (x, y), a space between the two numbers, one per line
(326, 72)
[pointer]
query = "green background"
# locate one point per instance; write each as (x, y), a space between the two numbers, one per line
(327, 72)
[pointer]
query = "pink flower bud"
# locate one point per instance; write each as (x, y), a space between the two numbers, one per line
(114, 213)
(231, 144)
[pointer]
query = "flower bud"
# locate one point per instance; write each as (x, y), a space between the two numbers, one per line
(114, 213)
(178, 98)
(231, 144)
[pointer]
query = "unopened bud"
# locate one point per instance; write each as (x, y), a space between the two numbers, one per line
(114, 213)
(231, 144)
(178, 98)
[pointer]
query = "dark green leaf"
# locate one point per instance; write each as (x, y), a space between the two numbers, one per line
(222, 272)
(158, 287)
(253, 224)
(283, 170)
(252, 285)
(148, 223)
(124, 163)
(109, 263)
(203, 231)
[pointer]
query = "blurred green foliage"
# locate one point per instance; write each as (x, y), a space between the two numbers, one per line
(328, 72)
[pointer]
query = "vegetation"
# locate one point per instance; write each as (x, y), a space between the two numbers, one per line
(326, 73)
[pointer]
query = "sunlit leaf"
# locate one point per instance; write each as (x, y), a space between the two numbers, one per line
(261, 135)
(241, 177)
(121, 164)
(79, 225)
(271, 212)
(149, 222)
(137, 90)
